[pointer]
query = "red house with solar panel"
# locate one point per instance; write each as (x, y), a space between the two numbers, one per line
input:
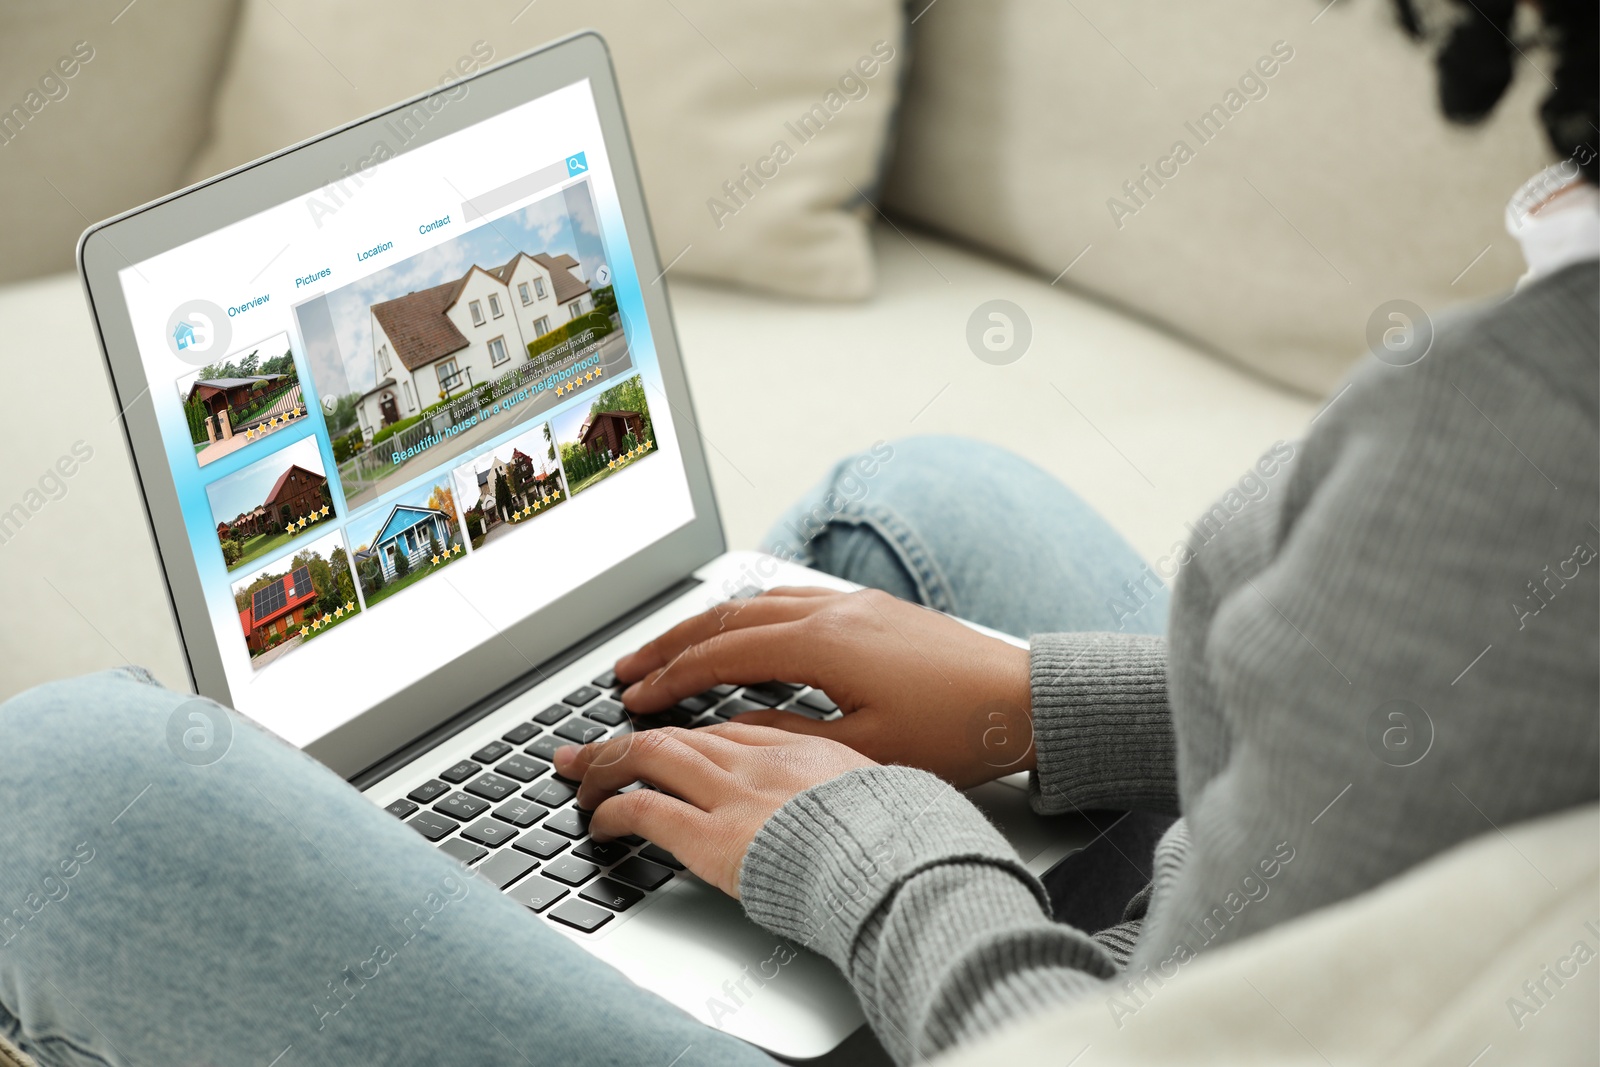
(278, 610)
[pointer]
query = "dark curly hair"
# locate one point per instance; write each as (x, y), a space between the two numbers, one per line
(1477, 58)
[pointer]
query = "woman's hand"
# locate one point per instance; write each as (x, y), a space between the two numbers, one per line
(916, 687)
(718, 784)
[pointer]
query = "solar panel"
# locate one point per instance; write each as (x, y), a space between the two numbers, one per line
(302, 582)
(269, 599)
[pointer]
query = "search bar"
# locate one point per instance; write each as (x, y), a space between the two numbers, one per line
(486, 204)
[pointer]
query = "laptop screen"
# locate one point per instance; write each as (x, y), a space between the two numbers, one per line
(408, 410)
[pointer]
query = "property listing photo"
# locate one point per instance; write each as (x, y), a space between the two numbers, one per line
(433, 357)
(252, 393)
(262, 507)
(605, 437)
(400, 543)
(295, 599)
(509, 485)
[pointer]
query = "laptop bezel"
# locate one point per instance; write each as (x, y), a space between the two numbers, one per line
(504, 658)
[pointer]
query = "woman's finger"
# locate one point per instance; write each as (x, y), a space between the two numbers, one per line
(682, 829)
(732, 657)
(667, 759)
(731, 615)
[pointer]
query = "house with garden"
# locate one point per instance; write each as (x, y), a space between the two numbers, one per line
(278, 609)
(417, 533)
(435, 343)
(606, 431)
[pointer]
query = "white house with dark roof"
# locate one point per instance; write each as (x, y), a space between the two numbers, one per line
(444, 340)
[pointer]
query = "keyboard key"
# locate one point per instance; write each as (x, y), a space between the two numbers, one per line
(490, 832)
(460, 772)
(506, 867)
(553, 714)
(463, 852)
(613, 895)
(545, 747)
(605, 853)
(570, 870)
(581, 696)
(607, 711)
(568, 822)
(519, 812)
(537, 893)
(656, 720)
(425, 794)
(580, 914)
(581, 730)
(817, 700)
(518, 735)
(767, 694)
(491, 752)
(522, 768)
(460, 806)
(722, 690)
(661, 855)
(607, 680)
(697, 704)
(492, 786)
(552, 792)
(400, 808)
(538, 843)
(737, 706)
(641, 872)
(431, 825)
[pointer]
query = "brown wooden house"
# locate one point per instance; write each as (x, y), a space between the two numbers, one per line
(296, 493)
(605, 430)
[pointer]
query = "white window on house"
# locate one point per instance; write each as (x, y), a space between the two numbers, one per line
(497, 351)
(477, 313)
(447, 375)
(411, 402)
(494, 305)
(579, 306)
(383, 359)
(538, 287)
(522, 291)
(541, 325)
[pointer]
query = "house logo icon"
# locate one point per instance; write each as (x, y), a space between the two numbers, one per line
(198, 331)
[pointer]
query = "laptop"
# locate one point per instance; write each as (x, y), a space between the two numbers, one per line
(420, 462)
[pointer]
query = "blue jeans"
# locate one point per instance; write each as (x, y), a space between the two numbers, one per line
(257, 909)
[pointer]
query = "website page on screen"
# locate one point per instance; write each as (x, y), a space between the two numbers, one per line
(408, 410)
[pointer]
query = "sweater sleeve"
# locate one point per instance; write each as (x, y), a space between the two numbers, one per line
(1102, 730)
(898, 880)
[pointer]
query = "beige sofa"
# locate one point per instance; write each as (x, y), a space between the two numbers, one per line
(1172, 339)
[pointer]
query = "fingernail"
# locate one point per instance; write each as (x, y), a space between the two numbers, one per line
(564, 756)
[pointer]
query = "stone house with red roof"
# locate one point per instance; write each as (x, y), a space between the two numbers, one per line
(442, 341)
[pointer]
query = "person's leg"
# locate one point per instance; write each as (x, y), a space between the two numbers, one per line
(973, 530)
(178, 887)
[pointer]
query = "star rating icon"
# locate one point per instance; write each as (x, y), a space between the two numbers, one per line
(250, 434)
(436, 561)
(350, 606)
(323, 511)
(338, 612)
(305, 631)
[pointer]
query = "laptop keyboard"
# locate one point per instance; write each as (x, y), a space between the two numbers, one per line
(507, 815)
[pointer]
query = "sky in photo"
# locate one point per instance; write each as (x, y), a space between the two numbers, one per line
(562, 222)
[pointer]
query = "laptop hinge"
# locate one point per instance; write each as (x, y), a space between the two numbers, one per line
(535, 676)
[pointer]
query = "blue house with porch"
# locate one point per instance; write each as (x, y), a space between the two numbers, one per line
(406, 530)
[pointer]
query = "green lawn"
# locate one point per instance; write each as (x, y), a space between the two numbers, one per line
(260, 545)
(417, 574)
(332, 622)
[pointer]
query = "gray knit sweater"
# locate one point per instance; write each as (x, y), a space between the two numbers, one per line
(1391, 650)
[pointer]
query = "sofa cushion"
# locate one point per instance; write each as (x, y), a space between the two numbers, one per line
(705, 95)
(100, 114)
(1332, 187)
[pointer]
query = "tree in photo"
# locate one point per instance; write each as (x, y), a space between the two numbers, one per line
(402, 565)
(502, 497)
(443, 498)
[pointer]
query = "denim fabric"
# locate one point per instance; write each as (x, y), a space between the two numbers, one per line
(257, 910)
(972, 530)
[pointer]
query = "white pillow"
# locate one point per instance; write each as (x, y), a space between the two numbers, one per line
(1338, 190)
(708, 89)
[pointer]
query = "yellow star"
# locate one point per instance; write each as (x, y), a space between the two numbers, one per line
(249, 434)
(324, 511)
(338, 613)
(350, 605)
(305, 631)
(435, 561)
(296, 412)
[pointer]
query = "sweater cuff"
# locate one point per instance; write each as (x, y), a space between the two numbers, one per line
(827, 860)
(1102, 729)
